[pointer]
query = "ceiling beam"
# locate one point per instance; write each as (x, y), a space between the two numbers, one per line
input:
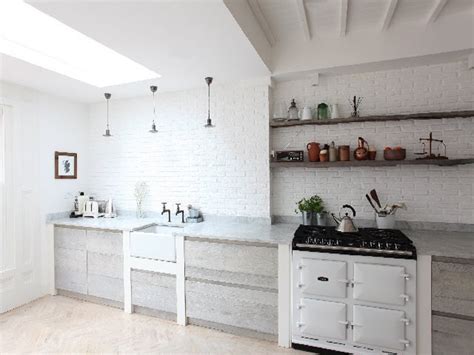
(262, 21)
(343, 18)
(392, 5)
(436, 11)
(303, 19)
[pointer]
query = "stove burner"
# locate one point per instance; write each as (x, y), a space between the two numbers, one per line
(368, 241)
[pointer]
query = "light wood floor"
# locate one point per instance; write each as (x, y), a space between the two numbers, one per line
(65, 325)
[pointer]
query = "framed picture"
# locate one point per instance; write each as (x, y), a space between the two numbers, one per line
(65, 165)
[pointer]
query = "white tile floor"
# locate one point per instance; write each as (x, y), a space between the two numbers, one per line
(66, 325)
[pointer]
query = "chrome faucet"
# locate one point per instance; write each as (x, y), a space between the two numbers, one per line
(180, 211)
(166, 211)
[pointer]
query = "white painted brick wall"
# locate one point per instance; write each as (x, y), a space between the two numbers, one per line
(433, 194)
(223, 171)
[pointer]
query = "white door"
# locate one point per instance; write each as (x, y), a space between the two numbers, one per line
(322, 277)
(383, 284)
(379, 327)
(322, 319)
(20, 270)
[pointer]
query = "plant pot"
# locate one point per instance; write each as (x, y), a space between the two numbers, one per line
(385, 221)
(320, 219)
(307, 218)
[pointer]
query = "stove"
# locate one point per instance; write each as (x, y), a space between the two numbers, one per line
(367, 241)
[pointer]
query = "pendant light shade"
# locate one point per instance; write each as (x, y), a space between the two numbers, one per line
(153, 129)
(107, 129)
(209, 121)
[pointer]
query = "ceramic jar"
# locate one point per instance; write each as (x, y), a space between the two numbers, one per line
(344, 153)
(313, 151)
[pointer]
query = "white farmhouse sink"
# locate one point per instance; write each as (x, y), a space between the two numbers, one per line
(154, 242)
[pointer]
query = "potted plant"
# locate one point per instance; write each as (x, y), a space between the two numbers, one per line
(319, 213)
(312, 211)
(304, 206)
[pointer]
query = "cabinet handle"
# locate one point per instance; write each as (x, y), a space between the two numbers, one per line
(406, 276)
(299, 324)
(346, 323)
(347, 282)
(405, 320)
(406, 342)
(300, 306)
(300, 267)
(300, 285)
(406, 297)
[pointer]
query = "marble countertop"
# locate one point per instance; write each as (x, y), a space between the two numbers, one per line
(117, 224)
(445, 244)
(435, 243)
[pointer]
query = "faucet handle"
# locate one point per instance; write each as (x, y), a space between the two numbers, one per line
(164, 204)
(178, 205)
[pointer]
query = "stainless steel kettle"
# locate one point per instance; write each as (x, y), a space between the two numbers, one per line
(345, 224)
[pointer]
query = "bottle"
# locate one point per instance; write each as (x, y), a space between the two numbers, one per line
(332, 152)
(293, 111)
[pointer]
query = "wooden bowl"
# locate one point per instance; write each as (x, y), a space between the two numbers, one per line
(394, 154)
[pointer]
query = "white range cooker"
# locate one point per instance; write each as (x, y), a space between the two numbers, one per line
(353, 292)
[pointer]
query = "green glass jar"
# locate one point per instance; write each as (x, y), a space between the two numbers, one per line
(323, 112)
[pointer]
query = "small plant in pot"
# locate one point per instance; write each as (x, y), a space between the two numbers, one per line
(312, 211)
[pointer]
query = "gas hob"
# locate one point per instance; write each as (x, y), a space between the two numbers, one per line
(368, 241)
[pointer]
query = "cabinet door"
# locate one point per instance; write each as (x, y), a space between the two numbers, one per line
(322, 277)
(322, 319)
(379, 283)
(104, 242)
(379, 327)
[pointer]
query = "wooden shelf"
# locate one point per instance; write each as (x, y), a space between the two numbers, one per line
(373, 163)
(415, 116)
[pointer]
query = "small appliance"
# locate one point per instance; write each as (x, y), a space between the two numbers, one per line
(92, 209)
(289, 155)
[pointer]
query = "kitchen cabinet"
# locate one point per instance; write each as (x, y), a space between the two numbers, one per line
(70, 258)
(232, 285)
(89, 262)
(154, 290)
(453, 306)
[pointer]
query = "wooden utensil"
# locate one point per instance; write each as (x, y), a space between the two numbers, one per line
(375, 197)
(371, 203)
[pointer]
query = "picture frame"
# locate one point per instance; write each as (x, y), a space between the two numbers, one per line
(65, 165)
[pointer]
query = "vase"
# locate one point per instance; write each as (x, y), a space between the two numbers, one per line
(307, 218)
(139, 212)
(385, 221)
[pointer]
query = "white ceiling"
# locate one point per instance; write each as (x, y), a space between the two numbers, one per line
(324, 16)
(183, 40)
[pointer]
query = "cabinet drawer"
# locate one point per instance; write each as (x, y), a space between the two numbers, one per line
(452, 336)
(105, 287)
(70, 238)
(248, 259)
(105, 265)
(238, 307)
(71, 270)
(105, 242)
(154, 290)
(453, 288)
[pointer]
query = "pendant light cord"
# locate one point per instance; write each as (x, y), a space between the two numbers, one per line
(209, 101)
(107, 113)
(154, 107)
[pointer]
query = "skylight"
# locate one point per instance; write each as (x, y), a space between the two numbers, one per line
(32, 36)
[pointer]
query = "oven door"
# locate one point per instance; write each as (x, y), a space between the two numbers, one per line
(322, 319)
(322, 277)
(379, 327)
(377, 283)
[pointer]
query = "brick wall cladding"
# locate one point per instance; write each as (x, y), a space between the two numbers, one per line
(433, 194)
(223, 170)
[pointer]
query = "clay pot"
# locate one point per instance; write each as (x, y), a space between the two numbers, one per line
(313, 151)
(344, 153)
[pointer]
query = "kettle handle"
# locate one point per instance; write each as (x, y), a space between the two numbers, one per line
(351, 208)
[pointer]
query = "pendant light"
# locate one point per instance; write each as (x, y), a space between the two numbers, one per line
(153, 129)
(209, 121)
(107, 130)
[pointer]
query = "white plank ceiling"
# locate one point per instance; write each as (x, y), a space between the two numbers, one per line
(288, 20)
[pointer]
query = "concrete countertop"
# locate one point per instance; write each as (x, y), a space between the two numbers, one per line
(436, 243)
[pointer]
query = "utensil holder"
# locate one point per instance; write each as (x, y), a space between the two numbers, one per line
(319, 219)
(385, 221)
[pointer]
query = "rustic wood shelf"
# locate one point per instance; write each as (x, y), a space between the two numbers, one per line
(414, 116)
(372, 163)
